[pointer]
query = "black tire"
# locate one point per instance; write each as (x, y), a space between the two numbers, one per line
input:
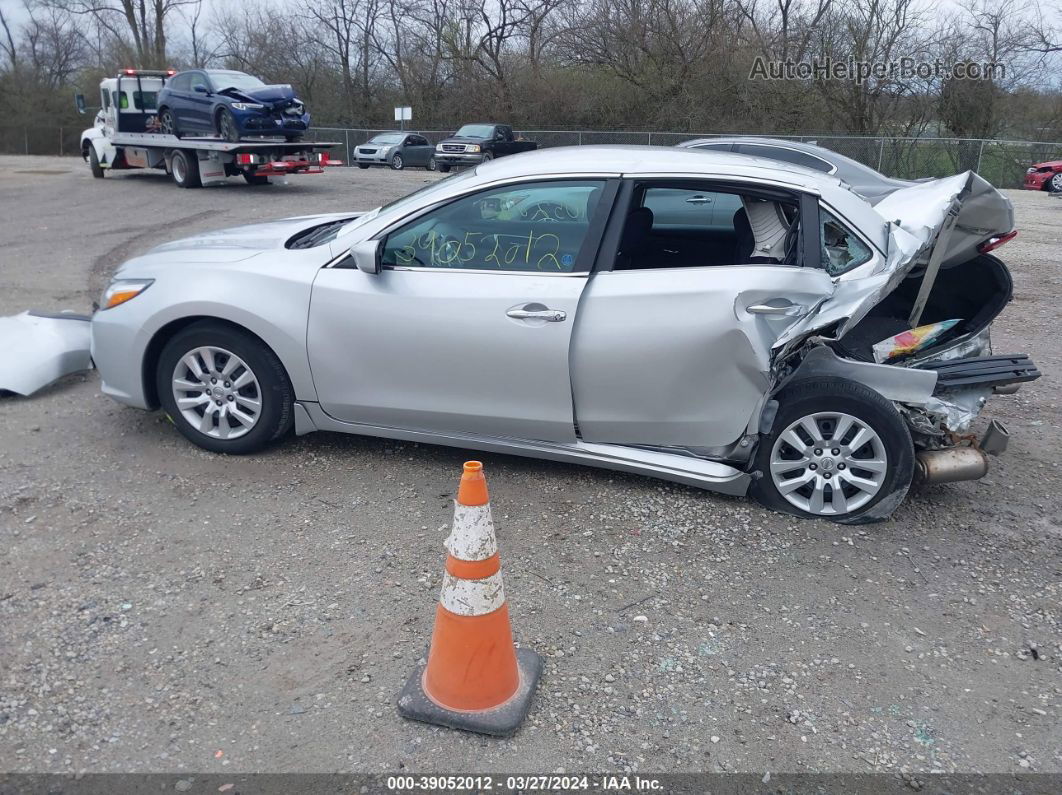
(1054, 184)
(363, 165)
(864, 404)
(226, 126)
(444, 168)
(256, 179)
(432, 164)
(168, 123)
(487, 157)
(184, 168)
(275, 392)
(94, 163)
(397, 163)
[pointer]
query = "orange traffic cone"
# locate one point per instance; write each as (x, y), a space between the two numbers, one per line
(474, 678)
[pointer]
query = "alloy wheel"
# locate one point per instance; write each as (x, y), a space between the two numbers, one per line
(178, 167)
(828, 463)
(216, 392)
(227, 127)
(1056, 183)
(396, 162)
(166, 123)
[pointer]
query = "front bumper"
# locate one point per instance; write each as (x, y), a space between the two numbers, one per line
(1037, 180)
(274, 123)
(457, 159)
(375, 159)
(118, 345)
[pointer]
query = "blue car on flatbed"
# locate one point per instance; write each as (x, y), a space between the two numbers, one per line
(230, 104)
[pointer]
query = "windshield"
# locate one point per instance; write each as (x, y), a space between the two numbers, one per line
(412, 198)
(391, 138)
(225, 80)
(475, 131)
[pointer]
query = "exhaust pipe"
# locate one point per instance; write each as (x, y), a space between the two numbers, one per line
(996, 438)
(951, 465)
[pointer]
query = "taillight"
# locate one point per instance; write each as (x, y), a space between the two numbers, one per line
(246, 159)
(995, 242)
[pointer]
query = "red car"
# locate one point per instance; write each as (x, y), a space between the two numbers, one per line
(1045, 176)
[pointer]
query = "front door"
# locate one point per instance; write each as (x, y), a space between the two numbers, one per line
(467, 328)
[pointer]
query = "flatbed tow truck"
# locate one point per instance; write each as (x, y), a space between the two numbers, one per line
(125, 136)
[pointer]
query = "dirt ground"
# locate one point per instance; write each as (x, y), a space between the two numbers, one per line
(165, 609)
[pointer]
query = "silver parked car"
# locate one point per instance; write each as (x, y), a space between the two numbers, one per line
(715, 320)
(397, 150)
(868, 183)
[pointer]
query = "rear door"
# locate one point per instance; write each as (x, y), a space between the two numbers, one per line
(681, 356)
(467, 327)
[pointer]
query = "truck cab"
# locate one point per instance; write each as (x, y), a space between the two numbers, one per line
(127, 105)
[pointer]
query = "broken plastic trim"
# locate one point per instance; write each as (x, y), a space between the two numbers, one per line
(40, 348)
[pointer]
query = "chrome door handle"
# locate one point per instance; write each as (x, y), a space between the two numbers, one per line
(792, 310)
(549, 315)
(698, 200)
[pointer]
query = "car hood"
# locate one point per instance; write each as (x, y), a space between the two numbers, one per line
(233, 245)
(262, 93)
(463, 139)
(940, 221)
(1048, 164)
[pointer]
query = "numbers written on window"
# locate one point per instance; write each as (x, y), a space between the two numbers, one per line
(841, 249)
(536, 227)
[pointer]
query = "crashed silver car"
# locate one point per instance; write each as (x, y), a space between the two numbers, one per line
(724, 321)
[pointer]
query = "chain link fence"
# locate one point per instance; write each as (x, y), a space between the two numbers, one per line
(1003, 163)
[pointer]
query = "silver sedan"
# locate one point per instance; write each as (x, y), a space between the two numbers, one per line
(714, 319)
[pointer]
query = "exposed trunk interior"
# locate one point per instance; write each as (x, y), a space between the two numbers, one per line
(974, 292)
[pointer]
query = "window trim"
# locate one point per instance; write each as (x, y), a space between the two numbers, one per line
(852, 230)
(588, 251)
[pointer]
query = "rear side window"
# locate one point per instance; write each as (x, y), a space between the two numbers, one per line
(182, 82)
(532, 227)
(785, 155)
(841, 249)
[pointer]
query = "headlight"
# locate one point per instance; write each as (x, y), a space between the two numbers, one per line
(1031, 170)
(121, 290)
(385, 150)
(247, 106)
(438, 147)
(472, 148)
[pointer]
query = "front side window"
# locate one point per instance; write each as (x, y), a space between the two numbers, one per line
(841, 249)
(530, 227)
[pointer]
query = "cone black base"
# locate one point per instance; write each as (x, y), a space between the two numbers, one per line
(502, 721)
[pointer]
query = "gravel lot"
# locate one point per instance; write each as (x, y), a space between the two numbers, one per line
(164, 609)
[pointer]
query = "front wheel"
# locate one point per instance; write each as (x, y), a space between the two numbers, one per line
(487, 157)
(363, 165)
(397, 163)
(94, 163)
(837, 450)
(1054, 185)
(224, 389)
(226, 126)
(443, 167)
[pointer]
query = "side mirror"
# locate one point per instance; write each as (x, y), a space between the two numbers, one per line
(79, 102)
(367, 255)
(199, 88)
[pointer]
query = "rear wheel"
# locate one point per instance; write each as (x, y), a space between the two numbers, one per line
(226, 126)
(256, 179)
(168, 123)
(396, 162)
(184, 168)
(224, 389)
(94, 163)
(837, 450)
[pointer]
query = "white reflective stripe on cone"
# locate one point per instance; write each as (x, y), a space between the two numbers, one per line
(472, 597)
(472, 536)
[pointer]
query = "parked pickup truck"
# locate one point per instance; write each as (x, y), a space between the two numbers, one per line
(476, 143)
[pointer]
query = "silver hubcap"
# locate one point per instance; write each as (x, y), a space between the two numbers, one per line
(217, 393)
(828, 463)
(1056, 182)
(397, 161)
(178, 168)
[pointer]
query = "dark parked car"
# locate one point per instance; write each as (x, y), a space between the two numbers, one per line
(397, 150)
(477, 143)
(864, 180)
(229, 104)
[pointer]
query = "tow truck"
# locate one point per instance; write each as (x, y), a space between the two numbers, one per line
(126, 134)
